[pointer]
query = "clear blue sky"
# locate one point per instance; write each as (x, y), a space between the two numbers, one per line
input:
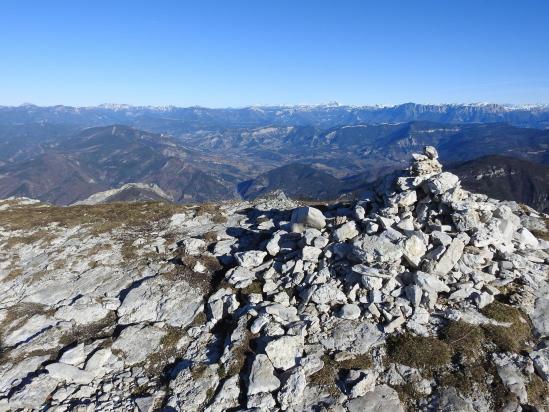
(236, 53)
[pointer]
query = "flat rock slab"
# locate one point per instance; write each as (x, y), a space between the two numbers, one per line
(160, 299)
(284, 351)
(137, 342)
(351, 336)
(382, 399)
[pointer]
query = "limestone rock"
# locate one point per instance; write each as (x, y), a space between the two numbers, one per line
(541, 362)
(365, 384)
(160, 299)
(450, 400)
(87, 326)
(69, 373)
(430, 283)
(382, 398)
(291, 393)
(221, 303)
(227, 397)
(511, 377)
(137, 342)
(540, 316)
(285, 351)
(309, 216)
(376, 249)
(450, 257)
(34, 394)
(349, 311)
(441, 183)
(414, 249)
(240, 277)
(346, 231)
(193, 246)
(328, 294)
(310, 253)
(261, 401)
(250, 258)
(262, 378)
(32, 327)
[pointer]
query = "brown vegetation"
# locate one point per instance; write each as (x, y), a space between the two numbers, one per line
(508, 339)
(326, 377)
(239, 354)
(363, 361)
(427, 353)
(103, 218)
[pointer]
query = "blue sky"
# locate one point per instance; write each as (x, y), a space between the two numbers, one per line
(237, 53)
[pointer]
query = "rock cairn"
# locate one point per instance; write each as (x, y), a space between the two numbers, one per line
(335, 285)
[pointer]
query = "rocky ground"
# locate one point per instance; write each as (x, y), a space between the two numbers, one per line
(422, 297)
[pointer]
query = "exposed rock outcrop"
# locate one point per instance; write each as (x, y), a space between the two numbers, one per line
(423, 296)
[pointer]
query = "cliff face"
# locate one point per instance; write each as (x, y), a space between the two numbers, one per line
(423, 296)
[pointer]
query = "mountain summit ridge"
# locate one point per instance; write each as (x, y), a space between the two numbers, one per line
(421, 296)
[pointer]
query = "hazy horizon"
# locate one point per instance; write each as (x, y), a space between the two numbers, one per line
(320, 104)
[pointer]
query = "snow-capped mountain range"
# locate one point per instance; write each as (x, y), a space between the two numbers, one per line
(178, 119)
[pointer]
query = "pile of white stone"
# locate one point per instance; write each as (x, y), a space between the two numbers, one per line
(338, 282)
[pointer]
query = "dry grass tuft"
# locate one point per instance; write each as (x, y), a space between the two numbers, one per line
(210, 262)
(464, 339)
(542, 234)
(101, 218)
(100, 329)
(210, 237)
(255, 287)
(427, 353)
(239, 354)
(213, 210)
(512, 339)
(166, 353)
(34, 237)
(538, 393)
(326, 377)
(408, 395)
(363, 361)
